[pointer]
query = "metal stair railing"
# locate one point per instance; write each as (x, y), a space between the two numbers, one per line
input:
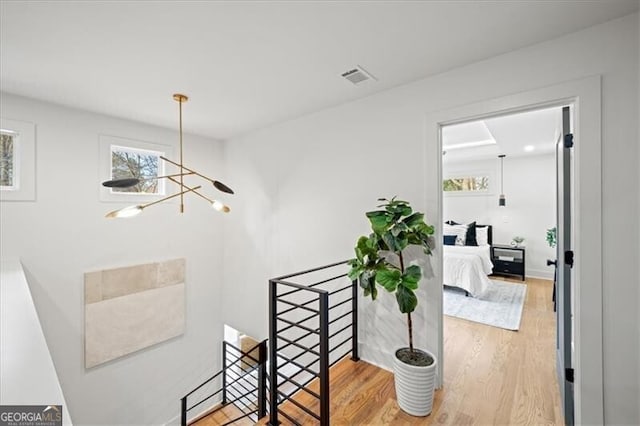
(242, 382)
(308, 335)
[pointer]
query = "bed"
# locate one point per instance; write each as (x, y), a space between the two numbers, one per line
(467, 266)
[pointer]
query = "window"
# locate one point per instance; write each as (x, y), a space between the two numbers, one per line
(17, 160)
(466, 184)
(122, 158)
(127, 162)
(9, 165)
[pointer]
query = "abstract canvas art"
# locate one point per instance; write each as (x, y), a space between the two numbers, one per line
(131, 308)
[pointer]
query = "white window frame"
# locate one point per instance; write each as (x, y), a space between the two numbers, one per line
(472, 173)
(161, 182)
(107, 145)
(24, 161)
(15, 160)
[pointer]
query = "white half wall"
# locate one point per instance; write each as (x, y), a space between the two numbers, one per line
(304, 185)
(63, 234)
(529, 186)
(27, 374)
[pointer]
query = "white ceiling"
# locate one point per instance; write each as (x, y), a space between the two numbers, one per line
(246, 65)
(516, 135)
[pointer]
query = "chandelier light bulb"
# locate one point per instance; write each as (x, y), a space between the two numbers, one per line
(130, 211)
(217, 205)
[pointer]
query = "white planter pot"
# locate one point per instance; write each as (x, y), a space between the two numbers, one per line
(415, 386)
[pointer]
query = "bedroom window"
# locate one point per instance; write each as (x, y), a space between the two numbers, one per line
(143, 164)
(9, 163)
(475, 184)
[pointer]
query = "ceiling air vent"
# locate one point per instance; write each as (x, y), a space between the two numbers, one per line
(357, 75)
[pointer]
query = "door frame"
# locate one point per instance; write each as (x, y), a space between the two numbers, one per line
(585, 96)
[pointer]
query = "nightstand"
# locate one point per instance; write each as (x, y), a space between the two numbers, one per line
(508, 260)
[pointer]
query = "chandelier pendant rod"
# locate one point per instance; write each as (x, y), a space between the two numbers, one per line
(502, 175)
(180, 100)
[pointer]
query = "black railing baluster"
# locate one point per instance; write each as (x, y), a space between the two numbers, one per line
(273, 353)
(324, 359)
(183, 414)
(354, 321)
(224, 374)
(262, 380)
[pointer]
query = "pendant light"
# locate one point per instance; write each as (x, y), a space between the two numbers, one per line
(502, 201)
(177, 178)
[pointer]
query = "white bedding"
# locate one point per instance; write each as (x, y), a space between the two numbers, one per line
(467, 267)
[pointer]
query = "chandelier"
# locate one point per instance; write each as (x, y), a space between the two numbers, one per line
(177, 178)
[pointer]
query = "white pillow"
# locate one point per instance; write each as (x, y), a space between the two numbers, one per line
(482, 236)
(460, 231)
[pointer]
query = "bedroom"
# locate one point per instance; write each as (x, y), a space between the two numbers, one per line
(499, 202)
(474, 178)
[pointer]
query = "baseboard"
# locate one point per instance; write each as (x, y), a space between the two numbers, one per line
(541, 274)
(173, 421)
(375, 356)
(205, 413)
(176, 419)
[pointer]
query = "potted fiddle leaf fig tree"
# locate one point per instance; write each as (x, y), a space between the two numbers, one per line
(380, 260)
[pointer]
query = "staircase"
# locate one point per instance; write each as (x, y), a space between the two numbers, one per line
(313, 324)
(237, 392)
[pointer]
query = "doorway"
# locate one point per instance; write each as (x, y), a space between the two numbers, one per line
(496, 253)
(585, 95)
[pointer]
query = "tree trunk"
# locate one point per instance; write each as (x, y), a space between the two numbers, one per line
(410, 327)
(409, 324)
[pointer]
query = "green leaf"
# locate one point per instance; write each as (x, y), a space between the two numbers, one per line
(366, 248)
(389, 278)
(402, 241)
(379, 220)
(405, 210)
(390, 241)
(411, 277)
(368, 283)
(399, 227)
(360, 249)
(414, 220)
(407, 300)
(355, 272)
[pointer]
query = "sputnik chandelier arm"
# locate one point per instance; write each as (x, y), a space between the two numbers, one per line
(177, 178)
(136, 210)
(214, 203)
(219, 185)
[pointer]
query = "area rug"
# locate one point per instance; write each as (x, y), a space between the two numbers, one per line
(500, 306)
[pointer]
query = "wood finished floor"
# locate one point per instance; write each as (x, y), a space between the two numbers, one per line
(491, 377)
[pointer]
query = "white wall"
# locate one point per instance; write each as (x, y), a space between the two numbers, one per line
(27, 374)
(529, 186)
(64, 234)
(305, 184)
